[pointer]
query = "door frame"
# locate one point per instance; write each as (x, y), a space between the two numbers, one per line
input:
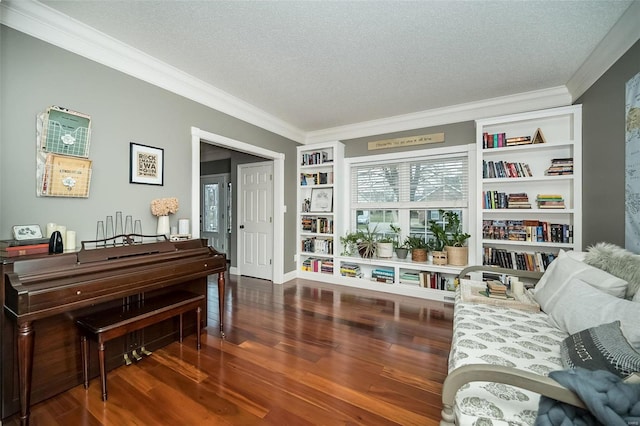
(279, 209)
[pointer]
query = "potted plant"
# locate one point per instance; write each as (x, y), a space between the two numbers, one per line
(448, 241)
(418, 246)
(384, 246)
(437, 243)
(457, 252)
(362, 241)
(401, 249)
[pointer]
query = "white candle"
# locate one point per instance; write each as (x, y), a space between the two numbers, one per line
(51, 227)
(183, 226)
(71, 241)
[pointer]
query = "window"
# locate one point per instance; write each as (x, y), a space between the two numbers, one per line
(408, 192)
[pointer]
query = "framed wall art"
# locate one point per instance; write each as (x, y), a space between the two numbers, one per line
(322, 200)
(146, 164)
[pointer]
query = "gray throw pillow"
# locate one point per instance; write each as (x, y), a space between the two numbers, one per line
(616, 261)
(600, 348)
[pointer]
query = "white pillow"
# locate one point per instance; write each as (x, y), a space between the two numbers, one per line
(577, 306)
(564, 268)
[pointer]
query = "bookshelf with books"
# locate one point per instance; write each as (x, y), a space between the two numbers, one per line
(318, 198)
(530, 187)
(398, 276)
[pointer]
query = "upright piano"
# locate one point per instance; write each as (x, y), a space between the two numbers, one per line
(43, 294)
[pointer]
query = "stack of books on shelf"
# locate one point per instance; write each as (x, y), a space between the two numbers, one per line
(350, 270)
(560, 166)
(14, 248)
(318, 157)
(497, 290)
(519, 200)
(437, 281)
(504, 169)
(518, 140)
(550, 201)
(318, 265)
(383, 275)
(411, 278)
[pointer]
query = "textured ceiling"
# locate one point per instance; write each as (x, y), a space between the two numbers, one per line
(321, 64)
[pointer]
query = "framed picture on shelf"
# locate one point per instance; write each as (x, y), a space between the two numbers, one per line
(322, 200)
(146, 164)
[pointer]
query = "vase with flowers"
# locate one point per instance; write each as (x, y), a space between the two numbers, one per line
(162, 208)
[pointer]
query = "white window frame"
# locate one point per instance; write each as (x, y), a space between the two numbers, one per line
(469, 211)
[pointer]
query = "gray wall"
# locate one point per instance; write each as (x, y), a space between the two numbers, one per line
(454, 134)
(603, 121)
(35, 75)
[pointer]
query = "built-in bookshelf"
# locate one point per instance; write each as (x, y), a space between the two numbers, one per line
(318, 198)
(530, 190)
(398, 276)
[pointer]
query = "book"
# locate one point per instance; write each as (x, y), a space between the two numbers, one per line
(15, 243)
(25, 250)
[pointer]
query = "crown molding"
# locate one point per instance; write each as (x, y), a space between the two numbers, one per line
(528, 101)
(619, 39)
(47, 24)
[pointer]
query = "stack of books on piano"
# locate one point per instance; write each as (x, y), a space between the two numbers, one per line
(560, 166)
(497, 290)
(13, 248)
(550, 201)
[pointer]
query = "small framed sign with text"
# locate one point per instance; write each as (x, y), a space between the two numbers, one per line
(146, 164)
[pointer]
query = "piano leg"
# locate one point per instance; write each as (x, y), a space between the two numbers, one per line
(25, 368)
(220, 301)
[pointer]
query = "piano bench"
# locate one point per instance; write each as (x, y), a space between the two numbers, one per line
(108, 324)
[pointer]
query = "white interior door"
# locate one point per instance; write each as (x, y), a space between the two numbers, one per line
(255, 220)
(215, 214)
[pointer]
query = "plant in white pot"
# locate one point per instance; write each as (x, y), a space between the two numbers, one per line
(384, 247)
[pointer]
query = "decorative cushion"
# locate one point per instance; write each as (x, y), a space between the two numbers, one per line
(564, 268)
(616, 261)
(576, 306)
(600, 348)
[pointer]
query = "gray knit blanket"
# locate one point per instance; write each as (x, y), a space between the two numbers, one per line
(609, 400)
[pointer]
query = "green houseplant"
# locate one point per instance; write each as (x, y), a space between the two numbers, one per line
(449, 239)
(401, 249)
(364, 241)
(418, 246)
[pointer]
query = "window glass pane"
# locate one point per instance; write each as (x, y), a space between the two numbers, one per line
(210, 208)
(379, 221)
(419, 220)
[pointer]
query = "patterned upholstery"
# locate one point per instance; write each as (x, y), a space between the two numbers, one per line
(486, 334)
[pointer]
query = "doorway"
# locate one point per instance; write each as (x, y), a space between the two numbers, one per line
(279, 209)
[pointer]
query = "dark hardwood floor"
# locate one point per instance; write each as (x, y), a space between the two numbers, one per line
(302, 353)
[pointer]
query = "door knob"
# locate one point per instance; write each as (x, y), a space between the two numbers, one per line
(241, 226)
